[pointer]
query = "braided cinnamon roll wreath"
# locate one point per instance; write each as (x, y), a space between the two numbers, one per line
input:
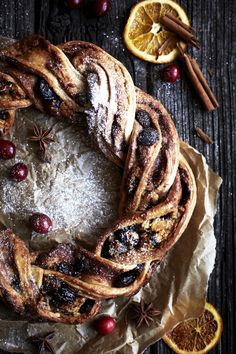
(79, 80)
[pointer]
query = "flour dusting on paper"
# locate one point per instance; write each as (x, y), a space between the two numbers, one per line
(79, 189)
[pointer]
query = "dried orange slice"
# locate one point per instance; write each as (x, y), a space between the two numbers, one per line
(196, 336)
(144, 35)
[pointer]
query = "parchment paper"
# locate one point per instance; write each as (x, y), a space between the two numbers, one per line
(80, 191)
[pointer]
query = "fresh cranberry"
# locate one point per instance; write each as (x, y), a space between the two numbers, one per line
(74, 4)
(172, 73)
(101, 7)
(19, 172)
(105, 325)
(41, 223)
(7, 150)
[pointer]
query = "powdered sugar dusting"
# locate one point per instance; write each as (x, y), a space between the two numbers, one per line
(114, 39)
(79, 190)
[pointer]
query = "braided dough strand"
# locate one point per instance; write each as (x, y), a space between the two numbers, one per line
(78, 80)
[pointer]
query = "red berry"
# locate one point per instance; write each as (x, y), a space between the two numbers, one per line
(41, 223)
(105, 325)
(7, 149)
(101, 7)
(19, 172)
(74, 4)
(172, 73)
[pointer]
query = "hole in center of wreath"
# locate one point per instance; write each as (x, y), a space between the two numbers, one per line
(78, 189)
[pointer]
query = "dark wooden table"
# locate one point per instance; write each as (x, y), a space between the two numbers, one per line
(214, 21)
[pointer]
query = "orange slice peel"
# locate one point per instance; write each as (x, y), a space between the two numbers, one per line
(196, 336)
(144, 35)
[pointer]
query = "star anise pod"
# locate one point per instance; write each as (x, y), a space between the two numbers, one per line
(42, 343)
(44, 137)
(143, 313)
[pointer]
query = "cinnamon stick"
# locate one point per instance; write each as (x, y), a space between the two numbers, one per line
(188, 28)
(203, 136)
(185, 32)
(163, 47)
(204, 82)
(199, 82)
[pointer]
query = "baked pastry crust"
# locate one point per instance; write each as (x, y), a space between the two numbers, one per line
(112, 96)
(36, 279)
(40, 60)
(158, 191)
(7, 119)
(36, 292)
(12, 97)
(149, 170)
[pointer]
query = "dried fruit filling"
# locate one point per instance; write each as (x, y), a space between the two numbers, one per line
(128, 236)
(143, 118)
(81, 98)
(148, 137)
(64, 268)
(79, 265)
(7, 87)
(4, 115)
(127, 278)
(146, 236)
(121, 241)
(46, 91)
(132, 184)
(51, 100)
(87, 306)
(15, 283)
(58, 292)
(65, 294)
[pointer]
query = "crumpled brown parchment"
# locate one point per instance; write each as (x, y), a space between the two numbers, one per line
(178, 287)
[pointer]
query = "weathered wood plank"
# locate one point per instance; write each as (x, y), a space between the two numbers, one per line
(214, 21)
(16, 18)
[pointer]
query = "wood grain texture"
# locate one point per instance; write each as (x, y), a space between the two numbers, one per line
(215, 22)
